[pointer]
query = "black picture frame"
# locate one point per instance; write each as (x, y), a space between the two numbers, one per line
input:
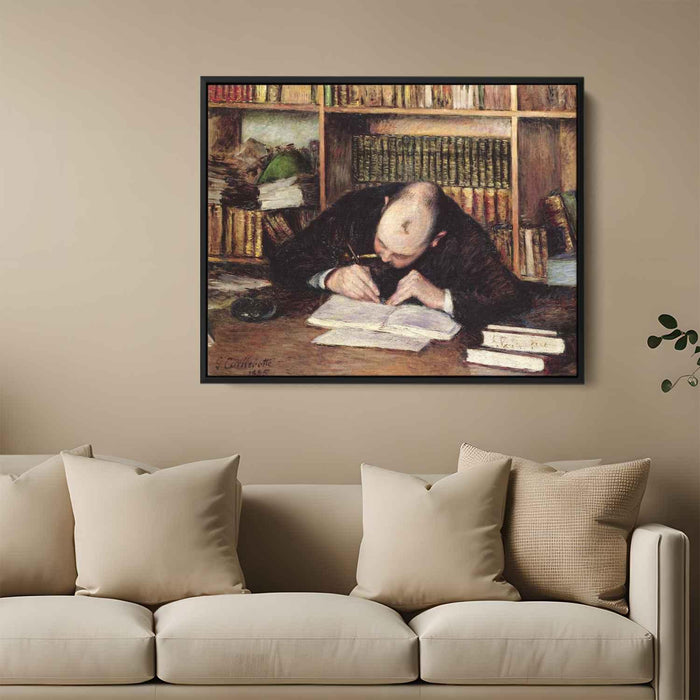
(577, 378)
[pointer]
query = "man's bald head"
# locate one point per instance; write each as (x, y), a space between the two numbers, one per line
(408, 224)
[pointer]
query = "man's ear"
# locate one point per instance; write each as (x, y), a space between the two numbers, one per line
(437, 238)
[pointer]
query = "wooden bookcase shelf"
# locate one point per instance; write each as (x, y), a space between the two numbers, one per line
(539, 138)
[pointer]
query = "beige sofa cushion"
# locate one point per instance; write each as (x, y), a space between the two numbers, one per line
(36, 522)
(283, 638)
(566, 533)
(153, 538)
(69, 640)
(423, 545)
(486, 642)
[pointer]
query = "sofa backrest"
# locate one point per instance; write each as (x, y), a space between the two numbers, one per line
(293, 537)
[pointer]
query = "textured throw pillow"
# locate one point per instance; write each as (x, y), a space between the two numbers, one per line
(36, 522)
(158, 537)
(425, 545)
(566, 533)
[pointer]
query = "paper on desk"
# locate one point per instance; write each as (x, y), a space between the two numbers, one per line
(360, 338)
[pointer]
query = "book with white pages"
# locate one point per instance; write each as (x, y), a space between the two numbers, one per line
(409, 320)
(522, 339)
(506, 360)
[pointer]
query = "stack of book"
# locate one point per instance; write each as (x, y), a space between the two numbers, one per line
(264, 93)
(459, 161)
(419, 96)
(290, 192)
(518, 348)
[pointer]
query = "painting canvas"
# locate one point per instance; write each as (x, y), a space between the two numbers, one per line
(379, 230)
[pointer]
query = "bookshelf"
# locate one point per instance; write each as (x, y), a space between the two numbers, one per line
(540, 125)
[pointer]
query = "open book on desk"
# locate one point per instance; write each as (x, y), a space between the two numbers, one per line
(408, 320)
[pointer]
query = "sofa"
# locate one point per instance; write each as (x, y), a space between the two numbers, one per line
(299, 634)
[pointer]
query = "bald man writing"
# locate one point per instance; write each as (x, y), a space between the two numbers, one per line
(431, 252)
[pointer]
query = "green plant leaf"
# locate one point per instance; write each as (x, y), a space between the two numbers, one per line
(666, 386)
(671, 335)
(653, 341)
(681, 342)
(692, 336)
(667, 321)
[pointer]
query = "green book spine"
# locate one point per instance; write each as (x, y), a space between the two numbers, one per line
(452, 160)
(481, 96)
(489, 163)
(505, 162)
(481, 170)
(433, 158)
(392, 157)
(459, 160)
(409, 149)
(400, 160)
(375, 159)
(422, 142)
(385, 159)
(473, 162)
(497, 177)
(327, 95)
(366, 157)
(356, 151)
(445, 160)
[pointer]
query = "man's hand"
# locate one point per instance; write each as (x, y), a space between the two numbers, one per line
(415, 285)
(354, 281)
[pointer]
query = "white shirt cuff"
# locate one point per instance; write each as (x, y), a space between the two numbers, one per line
(318, 281)
(448, 306)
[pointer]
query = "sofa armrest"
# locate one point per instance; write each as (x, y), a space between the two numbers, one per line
(658, 599)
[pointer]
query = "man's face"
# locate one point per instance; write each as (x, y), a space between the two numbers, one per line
(401, 236)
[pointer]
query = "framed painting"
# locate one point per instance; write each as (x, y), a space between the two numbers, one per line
(385, 229)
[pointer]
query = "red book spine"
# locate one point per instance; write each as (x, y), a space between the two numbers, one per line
(211, 93)
(219, 93)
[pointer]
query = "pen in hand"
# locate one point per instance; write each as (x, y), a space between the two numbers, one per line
(354, 281)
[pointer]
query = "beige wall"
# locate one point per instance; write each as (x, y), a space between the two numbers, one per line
(99, 235)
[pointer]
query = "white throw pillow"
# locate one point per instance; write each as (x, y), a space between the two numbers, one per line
(425, 545)
(36, 522)
(155, 537)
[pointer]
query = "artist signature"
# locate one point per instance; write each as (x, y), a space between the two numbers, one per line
(253, 366)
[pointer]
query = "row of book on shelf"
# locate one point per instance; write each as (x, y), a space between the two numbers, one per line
(487, 205)
(293, 94)
(448, 160)
(234, 232)
(400, 96)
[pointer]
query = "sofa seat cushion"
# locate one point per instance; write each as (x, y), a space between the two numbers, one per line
(531, 642)
(72, 640)
(283, 638)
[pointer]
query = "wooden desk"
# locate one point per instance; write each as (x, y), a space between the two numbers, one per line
(282, 347)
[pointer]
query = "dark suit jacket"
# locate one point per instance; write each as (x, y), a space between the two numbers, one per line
(464, 261)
